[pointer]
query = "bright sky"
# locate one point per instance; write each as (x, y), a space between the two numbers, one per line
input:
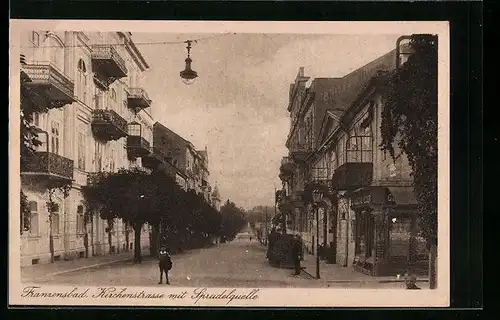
(237, 107)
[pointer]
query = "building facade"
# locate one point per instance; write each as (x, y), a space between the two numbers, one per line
(99, 119)
(188, 165)
(368, 212)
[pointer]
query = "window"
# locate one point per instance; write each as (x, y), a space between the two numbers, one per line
(54, 139)
(113, 95)
(99, 99)
(80, 220)
(35, 38)
(82, 81)
(36, 119)
(81, 151)
(32, 223)
(112, 160)
(55, 222)
(341, 151)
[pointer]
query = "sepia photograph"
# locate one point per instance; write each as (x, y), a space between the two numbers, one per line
(229, 164)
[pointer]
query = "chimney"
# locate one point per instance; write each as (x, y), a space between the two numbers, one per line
(301, 72)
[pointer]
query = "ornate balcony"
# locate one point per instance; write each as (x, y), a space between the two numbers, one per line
(138, 99)
(108, 63)
(297, 199)
(357, 169)
(299, 152)
(137, 146)
(48, 166)
(108, 125)
(285, 204)
(286, 169)
(49, 86)
(352, 176)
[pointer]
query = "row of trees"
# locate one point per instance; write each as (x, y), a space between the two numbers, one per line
(179, 219)
(234, 219)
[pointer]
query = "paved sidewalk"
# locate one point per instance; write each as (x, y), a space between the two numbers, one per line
(335, 273)
(40, 271)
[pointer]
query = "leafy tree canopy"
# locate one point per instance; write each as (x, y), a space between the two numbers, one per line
(409, 120)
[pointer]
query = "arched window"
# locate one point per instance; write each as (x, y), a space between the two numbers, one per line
(113, 95)
(82, 81)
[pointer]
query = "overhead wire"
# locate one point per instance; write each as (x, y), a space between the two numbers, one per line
(146, 43)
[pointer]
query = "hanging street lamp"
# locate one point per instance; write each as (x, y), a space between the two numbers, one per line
(188, 75)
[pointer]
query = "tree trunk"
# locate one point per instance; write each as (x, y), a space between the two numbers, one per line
(137, 243)
(92, 233)
(86, 238)
(110, 241)
(153, 240)
(433, 266)
(127, 239)
(51, 239)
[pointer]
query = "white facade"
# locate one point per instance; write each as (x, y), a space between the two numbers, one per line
(69, 134)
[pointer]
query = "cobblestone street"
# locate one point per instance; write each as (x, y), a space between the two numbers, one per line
(240, 263)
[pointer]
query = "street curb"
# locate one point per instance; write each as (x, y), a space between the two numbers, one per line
(363, 281)
(88, 267)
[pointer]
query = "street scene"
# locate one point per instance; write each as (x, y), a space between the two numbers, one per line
(228, 160)
(240, 263)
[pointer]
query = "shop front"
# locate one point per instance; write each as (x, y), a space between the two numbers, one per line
(386, 233)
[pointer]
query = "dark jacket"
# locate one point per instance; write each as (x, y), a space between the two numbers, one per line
(296, 249)
(165, 261)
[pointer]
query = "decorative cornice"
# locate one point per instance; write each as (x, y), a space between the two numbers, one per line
(84, 40)
(50, 34)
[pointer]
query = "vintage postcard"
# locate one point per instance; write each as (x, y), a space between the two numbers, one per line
(190, 163)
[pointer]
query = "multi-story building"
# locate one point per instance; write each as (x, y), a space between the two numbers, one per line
(189, 166)
(204, 173)
(99, 120)
(368, 214)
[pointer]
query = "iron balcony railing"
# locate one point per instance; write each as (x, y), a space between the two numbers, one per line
(318, 176)
(139, 144)
(299, 148)
(106, 52)
(44, 74)
(109, 122)
(51, 164)
(140, 96)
